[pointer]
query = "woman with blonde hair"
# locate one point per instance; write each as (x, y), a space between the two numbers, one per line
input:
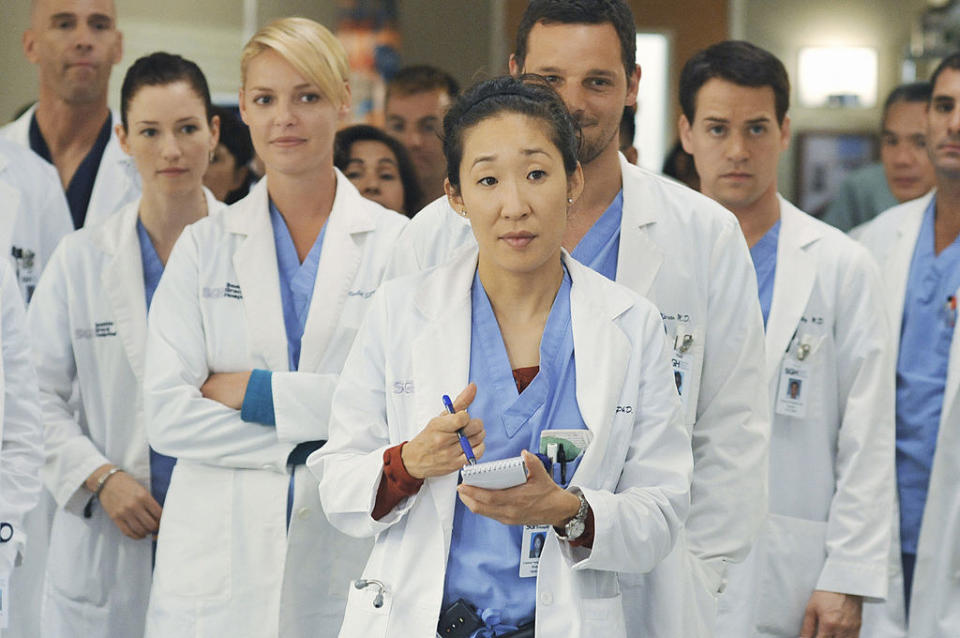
(249, 329)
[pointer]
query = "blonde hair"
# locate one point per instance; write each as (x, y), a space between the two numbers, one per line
(308, 47)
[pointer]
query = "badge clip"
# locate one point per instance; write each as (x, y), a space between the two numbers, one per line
(802, 351)
(682, 343)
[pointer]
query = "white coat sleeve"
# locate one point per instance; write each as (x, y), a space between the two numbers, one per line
(349, 467)
(432, 237)
(731, 435)
(637, 524)
(180, 421)
(860, 518)
(21, 453)
(301, 404)
(71, 457)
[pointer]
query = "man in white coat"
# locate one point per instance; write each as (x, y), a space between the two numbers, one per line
(34, 215)
(74, 45)
(687, 255)
(918, 246)
(829, 371)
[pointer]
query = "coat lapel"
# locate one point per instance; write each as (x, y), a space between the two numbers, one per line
(123, 282)
(793, 282)
(441, 360)
(602, 354)
(255, 262)
(8, 211)
(639, 257)
(340, 258)
(896, 270)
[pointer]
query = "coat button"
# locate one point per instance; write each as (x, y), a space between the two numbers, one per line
(546, 598)
(303, 513)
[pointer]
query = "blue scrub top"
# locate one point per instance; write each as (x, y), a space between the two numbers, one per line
(296, 292)
(484, 561)
(925, 337)
(161, 465)
(600, 246)
(296, 282)
(764, 256)
(80, 188)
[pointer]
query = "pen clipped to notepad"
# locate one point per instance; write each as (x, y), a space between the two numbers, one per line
(464, 442)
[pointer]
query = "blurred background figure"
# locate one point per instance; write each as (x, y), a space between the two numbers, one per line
(379, 166)
(628, 131)
(229, 176)
(904, 171)
(417, 98)
(679, 165)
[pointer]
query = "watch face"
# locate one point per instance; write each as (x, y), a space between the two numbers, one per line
(574, 529)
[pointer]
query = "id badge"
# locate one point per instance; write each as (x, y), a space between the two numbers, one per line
(682, 341)
(792, 390)
(534, 538)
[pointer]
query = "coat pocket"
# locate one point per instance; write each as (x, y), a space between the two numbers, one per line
(794, 551)
(193, 549)
(603, 616)
(82, 563)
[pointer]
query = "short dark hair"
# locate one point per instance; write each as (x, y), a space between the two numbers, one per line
(234, 135)
(912, 92)
(160, 69)
(420, 78)
(615, 12)
(738, 62)
(347, 137)
(952, 61)
(507, 94)
(628, 127)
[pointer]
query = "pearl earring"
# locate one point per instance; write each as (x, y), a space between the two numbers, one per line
(463, 213)
(569, 200)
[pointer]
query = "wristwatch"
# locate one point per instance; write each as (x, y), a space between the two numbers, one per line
(578, 524)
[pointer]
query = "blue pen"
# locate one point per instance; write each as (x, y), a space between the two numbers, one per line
(464, 442)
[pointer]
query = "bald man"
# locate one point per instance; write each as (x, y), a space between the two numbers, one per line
(74, 45)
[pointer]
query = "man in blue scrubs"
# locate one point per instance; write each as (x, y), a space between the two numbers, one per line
(74, 45)
(829, 371)
(918, 246)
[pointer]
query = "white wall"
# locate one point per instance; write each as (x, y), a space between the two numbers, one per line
(784, 26)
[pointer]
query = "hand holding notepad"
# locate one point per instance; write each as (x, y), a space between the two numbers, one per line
(496, 475)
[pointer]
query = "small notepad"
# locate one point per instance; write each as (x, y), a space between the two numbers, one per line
(496, 475)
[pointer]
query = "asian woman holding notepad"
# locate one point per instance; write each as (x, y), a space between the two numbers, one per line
(552, 358)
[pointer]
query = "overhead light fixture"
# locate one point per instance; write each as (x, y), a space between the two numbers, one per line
(839, 77)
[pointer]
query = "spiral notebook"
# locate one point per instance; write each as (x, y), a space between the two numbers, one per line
(496, 475)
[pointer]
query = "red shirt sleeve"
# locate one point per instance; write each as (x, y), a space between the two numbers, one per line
(396, 484)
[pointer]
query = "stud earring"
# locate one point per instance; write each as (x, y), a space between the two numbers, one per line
(211, 156)
(463, 213)
(569, 200)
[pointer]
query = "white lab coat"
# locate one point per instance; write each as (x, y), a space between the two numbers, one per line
(34, 215)
(226, 565)
(635, 474)
(935, 598)
(687, 255)
(832, 470)
(117, 181)
(21, 453)
(91, 315)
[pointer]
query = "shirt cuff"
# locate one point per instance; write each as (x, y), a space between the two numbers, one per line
(396, 483)
(258, 399)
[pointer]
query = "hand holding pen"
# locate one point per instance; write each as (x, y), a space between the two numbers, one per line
(437, 449)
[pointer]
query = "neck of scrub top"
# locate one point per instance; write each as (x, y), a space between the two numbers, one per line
(947, 213)
(304, 198)
(164, 216)
(521, 297)
(760, 216)
(602, 181)
(69, 126)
